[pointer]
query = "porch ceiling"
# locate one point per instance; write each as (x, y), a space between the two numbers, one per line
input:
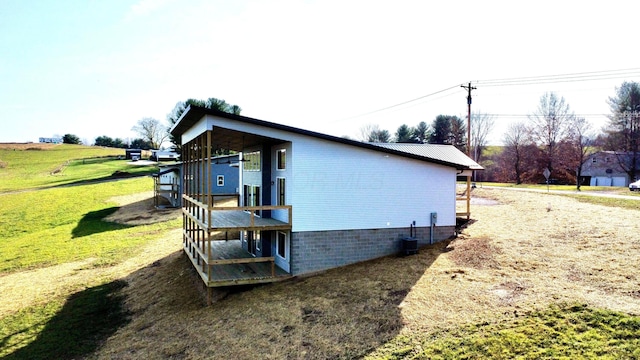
(229, 139)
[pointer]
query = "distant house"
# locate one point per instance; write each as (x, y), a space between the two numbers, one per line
(50, 140)
(169, 180)
(605, 168)
(168, 186)
(133, 154)
(308, 201)
(164, 155)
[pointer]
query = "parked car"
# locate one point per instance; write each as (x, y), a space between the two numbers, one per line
(635, 186)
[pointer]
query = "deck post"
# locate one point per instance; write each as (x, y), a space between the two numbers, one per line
(206, 171)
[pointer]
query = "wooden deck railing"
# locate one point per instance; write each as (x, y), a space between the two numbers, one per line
(220, 266)
(205, 268)
(203, 214)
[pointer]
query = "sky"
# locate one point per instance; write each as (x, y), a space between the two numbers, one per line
(95, 68)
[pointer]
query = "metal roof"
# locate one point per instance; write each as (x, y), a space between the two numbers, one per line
(446, 153)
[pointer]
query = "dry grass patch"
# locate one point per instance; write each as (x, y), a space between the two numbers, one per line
(523, 252)
(138, 209)
(27, 146)
(478, 253)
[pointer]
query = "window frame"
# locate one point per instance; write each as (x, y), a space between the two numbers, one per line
(281, 191)
(251, 161)
(281, 159)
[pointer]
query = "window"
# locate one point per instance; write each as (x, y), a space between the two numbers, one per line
(220, 180)
(281, 159)
(252, 196)
(281, 191)
(282, 244)
(251, 161)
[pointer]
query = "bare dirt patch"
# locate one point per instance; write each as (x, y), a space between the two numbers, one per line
(139, 209)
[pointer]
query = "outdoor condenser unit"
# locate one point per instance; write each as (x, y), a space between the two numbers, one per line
(410, 244)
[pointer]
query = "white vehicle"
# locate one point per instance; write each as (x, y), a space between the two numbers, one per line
(635, 186)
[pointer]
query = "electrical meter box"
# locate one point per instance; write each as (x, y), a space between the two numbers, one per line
(434, 218)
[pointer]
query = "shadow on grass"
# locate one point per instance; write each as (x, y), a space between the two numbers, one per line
(85, 321)
(93, 223)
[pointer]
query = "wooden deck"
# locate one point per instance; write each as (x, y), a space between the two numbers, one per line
(224, 218)
(240, 219)
(230, 264)
(224, 262)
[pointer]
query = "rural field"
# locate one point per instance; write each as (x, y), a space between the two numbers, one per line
(96, 273)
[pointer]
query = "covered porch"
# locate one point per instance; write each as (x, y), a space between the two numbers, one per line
(213, 224)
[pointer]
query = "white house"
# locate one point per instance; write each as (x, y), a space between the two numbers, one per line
(309, 201)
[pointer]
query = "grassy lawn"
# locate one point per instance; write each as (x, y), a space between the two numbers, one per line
(39, 165)
(562, 331)
(53, 226)
(58, 225)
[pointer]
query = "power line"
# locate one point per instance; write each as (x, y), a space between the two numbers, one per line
(569, 77)
(402, 103)
(526, 80)
(527, 115)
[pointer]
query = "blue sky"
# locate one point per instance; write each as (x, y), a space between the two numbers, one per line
(95, 68)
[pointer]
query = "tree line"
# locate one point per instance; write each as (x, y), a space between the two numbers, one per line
(552, 137)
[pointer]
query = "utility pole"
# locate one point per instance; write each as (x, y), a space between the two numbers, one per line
(468, 88)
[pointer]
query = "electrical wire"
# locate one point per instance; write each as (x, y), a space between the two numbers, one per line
(557, 78)
(402, 103)
(522, 81)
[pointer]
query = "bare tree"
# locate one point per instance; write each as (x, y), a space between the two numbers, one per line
(550, 124)
(579, 140)
(515, 140)
(481, 126)
(151, 130)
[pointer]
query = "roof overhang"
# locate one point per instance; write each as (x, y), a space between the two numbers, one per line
(230, 139)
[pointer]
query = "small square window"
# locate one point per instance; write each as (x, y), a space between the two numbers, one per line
(220, 180)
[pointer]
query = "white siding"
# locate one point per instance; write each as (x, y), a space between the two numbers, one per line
(333, 186)
(201, 126)
(342, 187)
